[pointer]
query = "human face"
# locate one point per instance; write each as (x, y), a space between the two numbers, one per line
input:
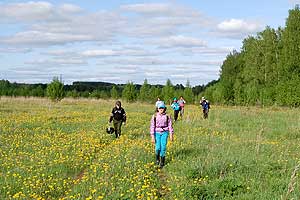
(161, 110)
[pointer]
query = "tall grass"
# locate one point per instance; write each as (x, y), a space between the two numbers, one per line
(61, 151)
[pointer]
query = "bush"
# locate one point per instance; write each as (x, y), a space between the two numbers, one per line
(55, 90)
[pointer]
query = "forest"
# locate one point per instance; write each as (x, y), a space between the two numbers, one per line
(129, 91)
(266, 71)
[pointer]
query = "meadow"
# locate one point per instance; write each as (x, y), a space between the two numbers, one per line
(61, 151)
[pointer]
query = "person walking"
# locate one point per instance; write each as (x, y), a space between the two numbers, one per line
(181, 103)
(158, 101)
(205, 107)
(160, 129)
(175, 106)
(117, 116)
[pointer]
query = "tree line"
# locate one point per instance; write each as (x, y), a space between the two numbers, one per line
(130, 92)
(266, 71)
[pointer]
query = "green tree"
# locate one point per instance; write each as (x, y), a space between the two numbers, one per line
(95, 94)
(55, 90)
(289, 71)
(73, 93)
(4, 87)
(188, 92)
(268, 78)
(129, 93)
(251, 75)
(168, 92)
(155, 92)
(238, 88)
(230, 70)
(114, 92)
(38, 91)
(144, 91)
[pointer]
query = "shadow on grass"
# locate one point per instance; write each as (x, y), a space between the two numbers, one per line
(185, 153)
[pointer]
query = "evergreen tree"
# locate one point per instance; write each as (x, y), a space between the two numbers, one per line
(72, 93)
(95, 94)
(168, 92)
(55, 90)
(188, 93)
(114, 92)
(144, 91)
(4, 87)
(129, 93)
(37, 92)
(154, 93)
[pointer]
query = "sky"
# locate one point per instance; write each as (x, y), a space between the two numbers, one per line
(128, 41)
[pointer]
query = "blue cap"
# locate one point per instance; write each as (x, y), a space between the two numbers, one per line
(161, 105)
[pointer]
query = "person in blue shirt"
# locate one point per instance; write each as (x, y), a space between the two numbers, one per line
(205, 107)
(176, 107)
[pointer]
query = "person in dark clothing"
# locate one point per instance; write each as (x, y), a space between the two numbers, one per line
(118, 116)
(176, 107)
(205, 107)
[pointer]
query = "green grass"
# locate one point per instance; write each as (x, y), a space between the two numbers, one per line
(61, 151)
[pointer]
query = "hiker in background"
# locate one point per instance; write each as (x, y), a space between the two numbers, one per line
(205, 107)
(181, 103)
(160, 129)
(158, 102)
(175, 106)
(118, 116)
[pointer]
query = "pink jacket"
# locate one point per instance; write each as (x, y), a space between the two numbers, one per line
(161, 124)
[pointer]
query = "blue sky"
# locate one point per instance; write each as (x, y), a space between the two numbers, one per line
(121, 41)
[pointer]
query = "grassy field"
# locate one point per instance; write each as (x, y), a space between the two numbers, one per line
(61, 151)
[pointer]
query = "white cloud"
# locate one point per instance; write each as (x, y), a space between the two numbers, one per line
(57, 25)
(234, 25)
(294, 1)
(97, 53)
(147, 8)
(164, 9)
(61, 53)
(57, 62)
(119, 52)
(156, 61)
(47, 24)
(153, 41)
(26, 11)
(162, 19)
(70, 8)
(238, 27)
(181, 41)
(15, 50)
(43, 38)
(211, 51)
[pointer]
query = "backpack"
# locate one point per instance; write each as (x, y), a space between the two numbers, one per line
(206, 105)
(176, 106)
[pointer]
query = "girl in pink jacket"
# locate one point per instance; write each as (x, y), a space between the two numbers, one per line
(160, 129)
